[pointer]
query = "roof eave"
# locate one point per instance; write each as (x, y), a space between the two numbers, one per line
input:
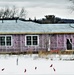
(36, 33)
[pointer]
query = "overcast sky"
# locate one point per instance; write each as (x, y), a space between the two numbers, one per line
(40, 8)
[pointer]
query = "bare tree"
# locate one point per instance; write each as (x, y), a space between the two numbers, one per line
(72, 6)
(71, 0)
(7, 12)
(22, 13)
(12, 12)
(1, 13)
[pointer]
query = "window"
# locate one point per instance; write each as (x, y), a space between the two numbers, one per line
(28, 40)
(5, 40)
(8, 40)
(2, 41)
(31, 40)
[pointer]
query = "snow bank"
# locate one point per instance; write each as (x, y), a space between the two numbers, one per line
(34, 65)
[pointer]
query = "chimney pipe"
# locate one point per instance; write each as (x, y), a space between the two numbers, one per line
(2, 21)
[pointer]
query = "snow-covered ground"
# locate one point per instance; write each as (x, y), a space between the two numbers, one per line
(33, 65)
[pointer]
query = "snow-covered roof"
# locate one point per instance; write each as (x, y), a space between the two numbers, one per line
(27, 27)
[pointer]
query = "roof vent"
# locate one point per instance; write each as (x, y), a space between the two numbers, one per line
(2, 21)
(16, 20)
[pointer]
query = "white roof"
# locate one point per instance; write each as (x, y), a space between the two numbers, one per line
(27, 27)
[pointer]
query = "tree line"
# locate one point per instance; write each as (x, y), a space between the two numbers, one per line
(12, 12)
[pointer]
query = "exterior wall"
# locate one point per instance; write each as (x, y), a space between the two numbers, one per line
(15, 44)
(41, 46)
(57, 42)
(18, 44)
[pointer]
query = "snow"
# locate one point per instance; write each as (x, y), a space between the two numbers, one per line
(33, 65)
(10, 26)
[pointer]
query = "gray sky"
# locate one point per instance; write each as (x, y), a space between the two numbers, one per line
(40, 8)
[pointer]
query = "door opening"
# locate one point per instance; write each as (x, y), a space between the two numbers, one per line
(69, 44)
(49, 44)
